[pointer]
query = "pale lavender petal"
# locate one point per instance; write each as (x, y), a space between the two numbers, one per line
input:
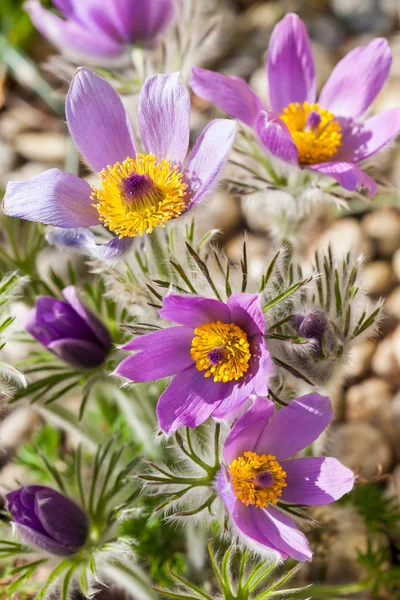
(189, 400)
(193, 312)
(100, 331)
(71, 35)
(207, 158)
(83, 241)
(349, 175)
(141, 21)
(63, 520)
(367, 138)
(232, 94)
(248, 429)
(97, 121)
(54, 198)
(246, 312)
(224, 488)
(276, 138)
(316, 480)
(296, 426)
(290, 64)
(44, 542)
(64, 6)
(78, 353)
(162, 353)
(164, 114)
(356, 80)
(265, 370)
(272, 530)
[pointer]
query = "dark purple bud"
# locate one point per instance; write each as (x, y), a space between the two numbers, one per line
(312, 326)
(69, 330)
(48, 520)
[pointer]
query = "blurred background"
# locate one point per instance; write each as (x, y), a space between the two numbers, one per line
(366, 436)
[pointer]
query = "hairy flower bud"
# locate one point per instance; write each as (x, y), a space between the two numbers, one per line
(48, 520)
(69, 330)
(313, 326)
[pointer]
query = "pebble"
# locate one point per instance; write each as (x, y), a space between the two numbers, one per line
(383, 227)
(361, 447)
(377, 277)
(257, 247)
(392, 304)
(360, 359)
(384, 362)
(364, 400)
(222, 212)
(42, 146)
(345, 235)
(396, 264)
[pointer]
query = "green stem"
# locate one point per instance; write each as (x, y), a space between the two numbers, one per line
(158, 248)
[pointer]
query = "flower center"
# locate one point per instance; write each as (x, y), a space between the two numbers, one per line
(221, 350)
(314, 130)
(257, 479)
(139, 194)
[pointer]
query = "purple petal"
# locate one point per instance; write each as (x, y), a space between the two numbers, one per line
(224, 488)
(44, 542)
(64, 6)
(248, 429)
(364, 139)
(290, 64)
(240, 392)
(63, 520)
(193, 312)
(164, 114)
(189, 400)
(83, 240)
(71, 35)
(315, 481)
(78, 353)
(295, 426)
(232, 94)
(246, 312)
(97, 121)
(356, 80)
(162, 353)
(53, 197)
(100, 331)
(349, 175)
(272, 530)
(208, 157)
(265, 370)
(141, 21)
(276, 138)
(16, 504)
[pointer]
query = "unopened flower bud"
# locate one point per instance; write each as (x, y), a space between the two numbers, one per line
(48, 520)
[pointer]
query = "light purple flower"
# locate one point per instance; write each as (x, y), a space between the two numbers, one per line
(101, 30)
(136, 192)
(217, 354)
(327, 137)
(69, 330)
(257, 473)
(48, 520)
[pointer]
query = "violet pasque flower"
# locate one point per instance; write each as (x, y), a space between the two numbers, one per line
(327, 136)
(69, 330)
(136, 192)
(48, 520)
(217, 354)
(258, 473)
(101, 30)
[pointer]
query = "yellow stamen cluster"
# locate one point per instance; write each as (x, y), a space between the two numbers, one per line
(244, 471)
(158, 202)
(230, 347)
(314, 144)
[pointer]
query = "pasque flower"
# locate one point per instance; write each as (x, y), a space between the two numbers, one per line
(137, 191)
(217, 354)
(69, 330)
(328, 136)
(257, 473)
(101, 29)
(48, 520)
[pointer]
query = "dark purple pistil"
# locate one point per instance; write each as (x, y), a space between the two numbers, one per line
(136, 186)
(313, 119)
(264, 479)
(215, 356)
